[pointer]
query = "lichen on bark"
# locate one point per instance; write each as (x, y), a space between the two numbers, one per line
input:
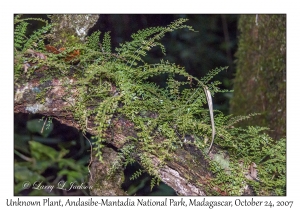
(66, 26)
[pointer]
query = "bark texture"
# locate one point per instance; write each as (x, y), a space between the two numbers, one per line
(184, 173)
(260, 82)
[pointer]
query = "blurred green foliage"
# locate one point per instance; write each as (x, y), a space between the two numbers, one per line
(39, 126)
(45, 158)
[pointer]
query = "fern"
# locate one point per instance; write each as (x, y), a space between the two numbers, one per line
(20, 39)
(211, 74)
(18, 19)
(237, 119)
(110, 85)
(37, 38)
(154, 181)
(143, 41)
(20, 35)
(93, 41)
(106, 43)
(136, 174)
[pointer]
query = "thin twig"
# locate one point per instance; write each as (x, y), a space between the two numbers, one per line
(23, 156)
(90, 155)
(44, 125)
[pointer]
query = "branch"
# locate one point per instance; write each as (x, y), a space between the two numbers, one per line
(187, 173)
(183, 173)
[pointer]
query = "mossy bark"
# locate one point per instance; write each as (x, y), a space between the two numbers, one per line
(70, 29)
(260, 83)
(100, 182)
(188, 172)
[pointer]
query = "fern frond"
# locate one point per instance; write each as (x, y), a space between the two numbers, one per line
(21, 42)
(36, 37)
(106, 44)
(154, 181)
(93, 41)
(20, 35)
(18, 19)
(145, 33)
(143, 41)
(212, 73)
(237, 119)
(136, 174)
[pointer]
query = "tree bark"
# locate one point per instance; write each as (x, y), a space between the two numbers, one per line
(260, 82)
(187, 173)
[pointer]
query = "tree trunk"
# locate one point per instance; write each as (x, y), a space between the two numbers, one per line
(260, 82)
